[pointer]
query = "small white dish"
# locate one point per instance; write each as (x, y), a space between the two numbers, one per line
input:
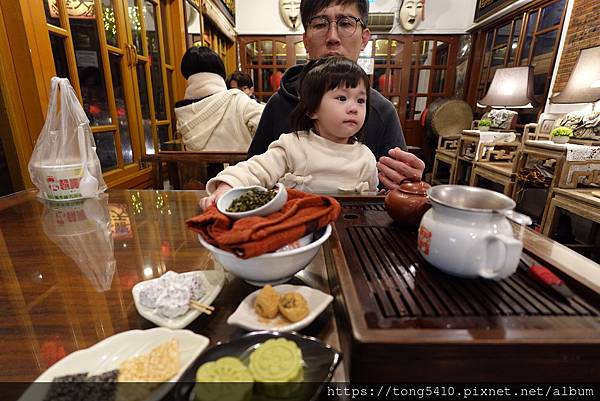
(213, 283)
(246, 317)
(272, 206)
(108, 354)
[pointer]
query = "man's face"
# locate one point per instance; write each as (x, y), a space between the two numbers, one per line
(411, 13)
(332, 43)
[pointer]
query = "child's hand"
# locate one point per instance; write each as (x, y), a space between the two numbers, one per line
(214, 197)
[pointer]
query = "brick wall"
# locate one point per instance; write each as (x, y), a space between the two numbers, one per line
(584, 32)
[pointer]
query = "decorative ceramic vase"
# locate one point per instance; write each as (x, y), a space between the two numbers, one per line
(407, 204)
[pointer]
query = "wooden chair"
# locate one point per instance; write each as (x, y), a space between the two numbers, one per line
(566, 174)
(504, 175)
(580, 236)
(580, 202)
(188, 169)
(446, 154)
(541, 130)
(501, 175)
(471, 152)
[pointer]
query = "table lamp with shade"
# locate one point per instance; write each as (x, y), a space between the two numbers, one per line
(511, 87)
(583, 85)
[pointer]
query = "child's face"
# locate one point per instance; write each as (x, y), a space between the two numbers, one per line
(341, 113)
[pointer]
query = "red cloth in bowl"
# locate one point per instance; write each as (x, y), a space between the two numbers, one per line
(302, 214)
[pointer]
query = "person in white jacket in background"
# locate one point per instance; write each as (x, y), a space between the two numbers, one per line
(211, 117)
(324, 154)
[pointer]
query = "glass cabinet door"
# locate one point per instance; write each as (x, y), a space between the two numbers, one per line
(147, 51)
(88, 48)
(113, 53)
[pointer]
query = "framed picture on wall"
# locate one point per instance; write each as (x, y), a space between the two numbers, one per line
(485, 8)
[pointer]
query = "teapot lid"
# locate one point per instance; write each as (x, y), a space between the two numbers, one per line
(415, 187)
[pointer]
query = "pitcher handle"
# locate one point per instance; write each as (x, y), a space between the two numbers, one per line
(506, 261)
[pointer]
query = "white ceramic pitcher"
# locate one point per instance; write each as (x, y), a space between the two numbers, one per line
(466, 233)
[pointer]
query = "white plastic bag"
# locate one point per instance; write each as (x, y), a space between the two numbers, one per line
(64, 165)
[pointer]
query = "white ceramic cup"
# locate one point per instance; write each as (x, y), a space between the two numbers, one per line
(466, 234)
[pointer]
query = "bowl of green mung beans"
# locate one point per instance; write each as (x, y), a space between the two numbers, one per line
(252, 201)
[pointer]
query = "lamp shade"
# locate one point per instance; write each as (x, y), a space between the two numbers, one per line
(584, 83)
(511, 87)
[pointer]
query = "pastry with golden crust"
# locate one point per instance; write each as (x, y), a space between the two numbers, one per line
(267, 301)
(293, 306)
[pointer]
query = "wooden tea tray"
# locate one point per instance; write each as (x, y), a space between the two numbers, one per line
(402, 319)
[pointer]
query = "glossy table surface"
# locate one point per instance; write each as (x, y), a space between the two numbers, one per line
(67, 271)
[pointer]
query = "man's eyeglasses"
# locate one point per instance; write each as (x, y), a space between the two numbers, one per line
(346, 25)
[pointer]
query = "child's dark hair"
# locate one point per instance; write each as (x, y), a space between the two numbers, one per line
(320, 76)
(201, 59)
(242, 79)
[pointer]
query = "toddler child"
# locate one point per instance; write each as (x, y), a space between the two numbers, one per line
(324, 154)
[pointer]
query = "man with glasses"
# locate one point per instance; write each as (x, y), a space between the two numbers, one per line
(338, 27)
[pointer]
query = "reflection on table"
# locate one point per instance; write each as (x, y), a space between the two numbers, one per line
(68, 270)
(82, 230)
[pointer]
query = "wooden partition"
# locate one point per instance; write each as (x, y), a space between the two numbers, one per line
(410, 70)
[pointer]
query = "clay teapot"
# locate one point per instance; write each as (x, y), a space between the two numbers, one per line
(407, 204)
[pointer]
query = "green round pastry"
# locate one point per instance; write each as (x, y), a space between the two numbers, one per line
(226, 378)
(276, 360)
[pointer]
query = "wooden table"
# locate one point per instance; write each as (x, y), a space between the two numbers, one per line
(66, 281)
(402, 320)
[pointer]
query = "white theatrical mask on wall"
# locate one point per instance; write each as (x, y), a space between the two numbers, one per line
(410, 13)
(290, 12)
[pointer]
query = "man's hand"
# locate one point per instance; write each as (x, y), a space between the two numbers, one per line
(214, 197)
(400, 165)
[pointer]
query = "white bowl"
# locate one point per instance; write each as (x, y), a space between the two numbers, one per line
(245, 315)
(269, 268)
(272, 206)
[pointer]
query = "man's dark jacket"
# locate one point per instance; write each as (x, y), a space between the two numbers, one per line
(381, 133)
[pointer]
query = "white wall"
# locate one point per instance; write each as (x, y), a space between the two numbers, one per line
(255, 17)
(260, 17)
(441, 17)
